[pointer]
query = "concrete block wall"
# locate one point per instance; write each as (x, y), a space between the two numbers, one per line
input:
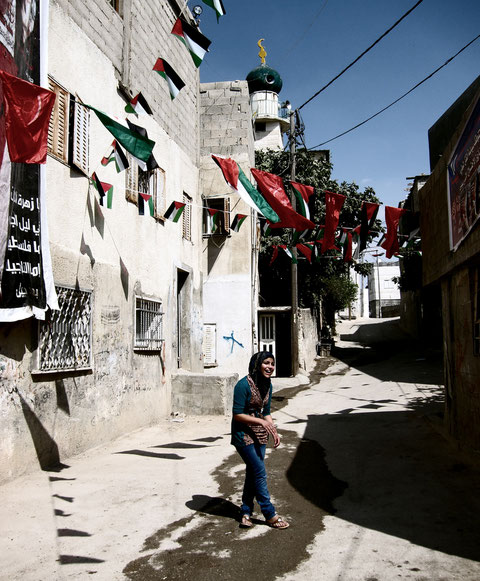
(199, 394)
(132, 42)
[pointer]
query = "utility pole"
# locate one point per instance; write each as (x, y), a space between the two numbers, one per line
(294, 282)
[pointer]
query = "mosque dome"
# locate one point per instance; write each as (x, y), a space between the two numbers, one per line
(264, 78)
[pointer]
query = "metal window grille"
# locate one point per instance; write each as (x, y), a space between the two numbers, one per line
(148, 324)
(66, 339)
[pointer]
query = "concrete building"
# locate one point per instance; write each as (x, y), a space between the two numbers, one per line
(155, 316)
(449, 219)
(383, 291)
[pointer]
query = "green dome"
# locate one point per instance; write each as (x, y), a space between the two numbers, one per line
(263, 78)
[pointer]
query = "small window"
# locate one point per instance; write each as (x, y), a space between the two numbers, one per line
(220, 225)
(209, 344)
(151, 182)
(148, 324)
(260, 126)
(66, 339)
(68, 131)
(187, 217)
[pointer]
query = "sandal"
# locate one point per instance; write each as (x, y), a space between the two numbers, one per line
(246, 521)
(277, 522)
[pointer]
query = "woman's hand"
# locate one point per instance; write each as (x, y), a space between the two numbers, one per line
(272, 430)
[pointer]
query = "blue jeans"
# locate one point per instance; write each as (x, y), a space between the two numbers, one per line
(255, 480)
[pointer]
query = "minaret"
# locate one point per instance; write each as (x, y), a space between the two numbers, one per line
(270, 118)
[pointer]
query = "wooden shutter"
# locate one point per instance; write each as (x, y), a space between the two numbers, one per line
(226, 215)
(209, 344)
(131, 180)
(159, 193)
(187, 218)
(59, 121)
(81, 126)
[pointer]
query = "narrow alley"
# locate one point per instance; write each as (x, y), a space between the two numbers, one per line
(373, 490)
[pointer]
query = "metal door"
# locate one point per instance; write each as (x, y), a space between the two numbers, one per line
(267, 333)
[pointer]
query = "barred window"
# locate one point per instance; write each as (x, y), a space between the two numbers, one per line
(146, 182)
(66, 339)
(221, 225)
(148, 324)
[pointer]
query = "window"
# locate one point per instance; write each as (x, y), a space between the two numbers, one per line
(65, 341)
(148, 324)
(260, 126)
(68, 130)
(209, 344)
(187, 217)
(222, 226)
(151, 182)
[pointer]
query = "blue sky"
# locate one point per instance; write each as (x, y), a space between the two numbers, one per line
(310, 41)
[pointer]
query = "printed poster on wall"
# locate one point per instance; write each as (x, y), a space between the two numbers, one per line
(464, 181)
(25, 269)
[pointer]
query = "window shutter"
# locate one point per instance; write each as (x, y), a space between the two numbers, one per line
(81, 125)
(58, 126)
(226, 215)
(187, 218)
(131, 180)
(159, 193)
(209, 344)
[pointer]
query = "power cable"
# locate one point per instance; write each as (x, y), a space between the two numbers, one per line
(363, 54)
(399, 98)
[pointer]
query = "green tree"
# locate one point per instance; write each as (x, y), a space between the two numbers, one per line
(326, 281)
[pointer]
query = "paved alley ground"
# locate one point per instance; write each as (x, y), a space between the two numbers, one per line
(372, 489)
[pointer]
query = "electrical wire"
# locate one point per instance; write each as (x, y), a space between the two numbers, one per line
(363, 54)
(448, 61)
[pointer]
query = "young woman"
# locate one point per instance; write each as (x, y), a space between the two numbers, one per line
(252, 425)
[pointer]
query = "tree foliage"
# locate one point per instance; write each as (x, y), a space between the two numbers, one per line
(326, 280)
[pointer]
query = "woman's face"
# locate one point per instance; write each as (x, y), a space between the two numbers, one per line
(267, 367)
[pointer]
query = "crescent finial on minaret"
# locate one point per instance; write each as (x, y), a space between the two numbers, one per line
(263, 53)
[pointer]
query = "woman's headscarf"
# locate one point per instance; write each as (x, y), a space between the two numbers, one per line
(254, 370)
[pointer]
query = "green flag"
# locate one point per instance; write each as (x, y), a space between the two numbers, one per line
(139, 146)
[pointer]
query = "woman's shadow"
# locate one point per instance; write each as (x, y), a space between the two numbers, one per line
(216, 507)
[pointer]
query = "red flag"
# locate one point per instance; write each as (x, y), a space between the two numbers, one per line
(272, 189)
(27, 113)
(334, 203)
(392, 217)
(274, 255)
(306, 251)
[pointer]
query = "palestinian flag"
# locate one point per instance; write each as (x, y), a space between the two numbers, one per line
(368, 211)
(273, 191)
(289, 253)
(142, 199)
(174, 211)
(213, 219)
(306, 250)
(103, 190)
(238, 181)
(138, 106)
(346, 243)
(118, 156)
(237, 222)
(174, 82)
(302, 194)
(151, 162)
(217, 5)
(192, 38)
(134, 142)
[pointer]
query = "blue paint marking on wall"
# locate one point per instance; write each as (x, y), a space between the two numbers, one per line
(233, 340)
